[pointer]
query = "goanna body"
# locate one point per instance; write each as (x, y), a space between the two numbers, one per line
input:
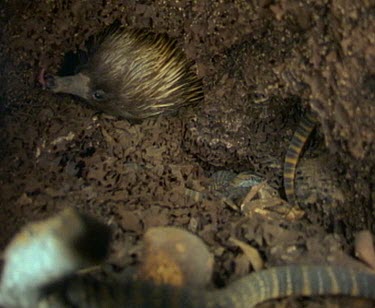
(247, 292)
(58, 247)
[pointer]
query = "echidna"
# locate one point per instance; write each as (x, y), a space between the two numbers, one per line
(133, 74)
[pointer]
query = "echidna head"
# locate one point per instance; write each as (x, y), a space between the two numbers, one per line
(78, 84)
(133, 75)
(90, 87)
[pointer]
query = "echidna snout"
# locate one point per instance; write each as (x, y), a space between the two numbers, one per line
(77, 85)
(134, 75)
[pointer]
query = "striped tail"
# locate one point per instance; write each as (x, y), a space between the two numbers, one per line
(295, 280)
(305, 127)
(278, 282)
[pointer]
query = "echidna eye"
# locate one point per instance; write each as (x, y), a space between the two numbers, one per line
(99, 95)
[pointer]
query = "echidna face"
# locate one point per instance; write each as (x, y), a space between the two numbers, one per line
(85, 85)
(78, 84)
(105, 92)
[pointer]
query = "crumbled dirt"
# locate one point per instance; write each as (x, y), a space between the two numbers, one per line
(262, 64)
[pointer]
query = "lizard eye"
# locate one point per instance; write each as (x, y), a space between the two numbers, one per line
(99, 95)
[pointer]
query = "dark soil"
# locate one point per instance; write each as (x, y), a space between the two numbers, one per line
(262, 65)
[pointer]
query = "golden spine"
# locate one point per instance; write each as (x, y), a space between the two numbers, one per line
(133, 74)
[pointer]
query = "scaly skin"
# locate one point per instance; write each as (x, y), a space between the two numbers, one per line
(247, 292)
(41, 259)
(304, 129)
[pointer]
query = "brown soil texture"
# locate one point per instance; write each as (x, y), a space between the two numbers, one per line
(262, 63)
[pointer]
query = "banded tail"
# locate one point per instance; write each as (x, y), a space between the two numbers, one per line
(305, 127)
(247, 292)
(296, 280)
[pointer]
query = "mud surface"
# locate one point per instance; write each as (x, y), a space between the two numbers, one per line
(262, 65)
